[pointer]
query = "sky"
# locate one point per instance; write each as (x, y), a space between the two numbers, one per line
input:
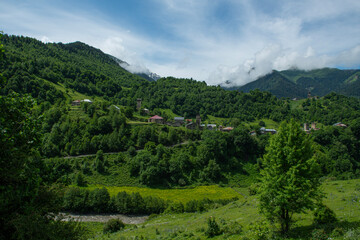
(207, 40)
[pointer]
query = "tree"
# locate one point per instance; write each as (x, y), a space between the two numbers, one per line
(28, 209)
(290, 177)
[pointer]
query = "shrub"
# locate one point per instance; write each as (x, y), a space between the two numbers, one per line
(113, 225)
(175, 207)
(213, 228)
(352, 234)
(80, 180)
(259, 230)
(324, 215)
(337, 232)
(319, 234)
(253, 189)
(232, 228)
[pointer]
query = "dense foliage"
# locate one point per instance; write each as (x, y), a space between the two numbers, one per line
(99, 201)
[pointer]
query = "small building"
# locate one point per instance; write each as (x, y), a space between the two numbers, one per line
(87, 101)
(188, 120)
(267, 130)
(339, 124)
(76, 103)
(226, 129)
(252, 133)
(146, 111)
(308, 129)
(211, 126)
(156, 119)
(179, 120)
(208, 126)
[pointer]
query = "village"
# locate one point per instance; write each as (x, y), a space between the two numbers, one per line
(197, 125)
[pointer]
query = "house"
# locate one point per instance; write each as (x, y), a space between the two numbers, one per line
(211, 126)
(179, 120)
(146, 111)
(156, 119)
(252, 133)
(267, 130)
(339, 124)
(208, 126)
(226, 129)
(76, 103)
(87, 101)
(307, 128)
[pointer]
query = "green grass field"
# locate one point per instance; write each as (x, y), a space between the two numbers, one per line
(343, 197)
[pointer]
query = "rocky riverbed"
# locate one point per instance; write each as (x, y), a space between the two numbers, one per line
(127, 219)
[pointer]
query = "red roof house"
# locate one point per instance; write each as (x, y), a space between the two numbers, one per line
(156, 119)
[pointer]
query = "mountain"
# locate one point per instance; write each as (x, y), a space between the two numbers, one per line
(296, 83)
(277, 84)
(31, 66)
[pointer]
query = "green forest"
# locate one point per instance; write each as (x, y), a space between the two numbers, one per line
(58, 156)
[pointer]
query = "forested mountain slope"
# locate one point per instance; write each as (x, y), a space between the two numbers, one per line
(296, 83)
(29, 65)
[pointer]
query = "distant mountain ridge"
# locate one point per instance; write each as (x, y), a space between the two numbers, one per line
(296, 83)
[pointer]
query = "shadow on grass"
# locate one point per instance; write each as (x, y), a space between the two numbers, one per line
(305, 232)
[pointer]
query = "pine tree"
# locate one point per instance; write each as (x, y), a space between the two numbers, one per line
(289, 180)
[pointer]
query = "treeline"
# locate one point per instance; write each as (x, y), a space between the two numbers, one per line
(99, 201)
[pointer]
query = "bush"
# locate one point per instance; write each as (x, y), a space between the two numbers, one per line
(352, 234)
(253, 189)
(80, 180)
(319, 234)
(324, 215)
(232, 228)
(113, 225)
(259, 230)
(213, 228)
(337, 232)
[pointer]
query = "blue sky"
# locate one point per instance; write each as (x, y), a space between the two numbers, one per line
(208, 40)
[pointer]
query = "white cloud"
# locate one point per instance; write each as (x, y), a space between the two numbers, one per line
(195, 43)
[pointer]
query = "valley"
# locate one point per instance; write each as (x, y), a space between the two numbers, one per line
(79, 136)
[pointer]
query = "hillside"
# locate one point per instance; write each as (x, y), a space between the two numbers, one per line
(30, 65)
(277, 84)
(296, 83)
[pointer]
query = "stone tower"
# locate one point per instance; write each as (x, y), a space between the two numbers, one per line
(198, 120)
(138, 105)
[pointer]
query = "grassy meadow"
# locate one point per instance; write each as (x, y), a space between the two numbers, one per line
(241, 219)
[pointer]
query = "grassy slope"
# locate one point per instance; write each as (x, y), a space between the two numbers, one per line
(342, 197)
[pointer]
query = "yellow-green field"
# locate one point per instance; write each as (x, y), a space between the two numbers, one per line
(180, 195)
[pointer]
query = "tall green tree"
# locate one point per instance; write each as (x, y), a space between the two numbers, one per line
(27, 207)
(290, 176)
